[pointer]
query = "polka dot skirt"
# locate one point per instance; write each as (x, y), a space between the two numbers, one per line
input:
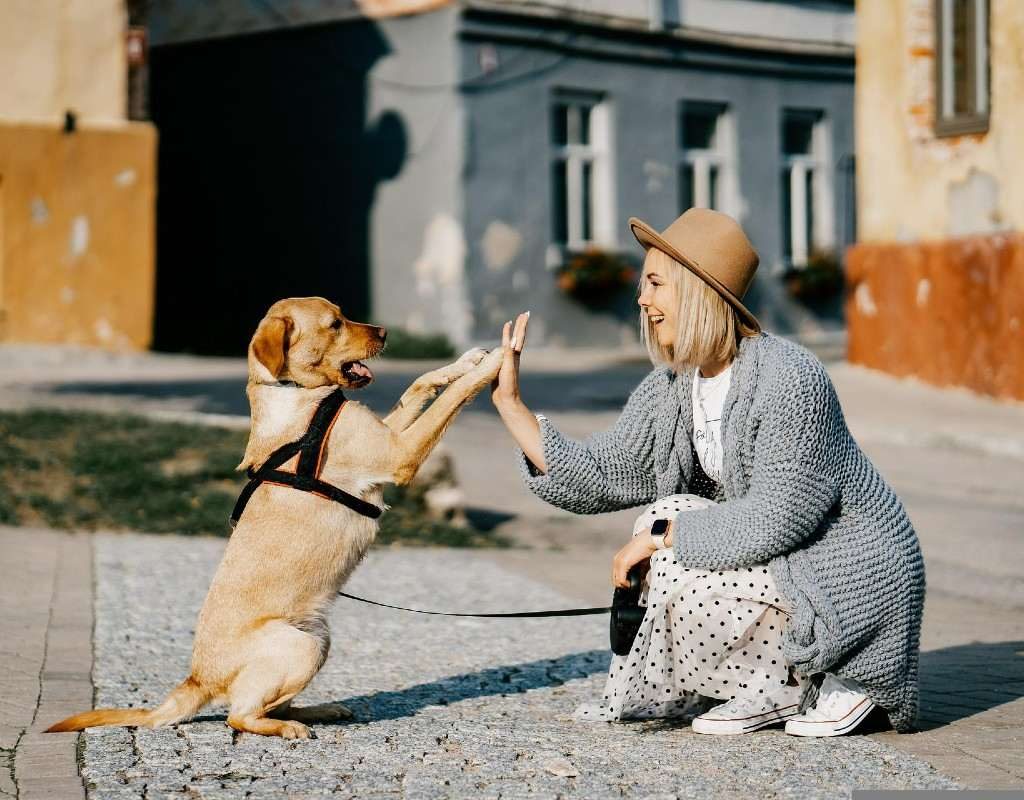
(705, 636)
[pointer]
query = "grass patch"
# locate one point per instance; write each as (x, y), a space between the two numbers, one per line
(76, 470)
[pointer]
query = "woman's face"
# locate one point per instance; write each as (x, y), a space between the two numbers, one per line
(658, 300)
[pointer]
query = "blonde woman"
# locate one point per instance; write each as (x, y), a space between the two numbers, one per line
(785, 581)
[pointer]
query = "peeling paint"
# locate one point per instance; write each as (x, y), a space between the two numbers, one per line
(501, 244)
(657, 175)
(79, 236)
(439, 274)
(39, 211)
(924, 288)
(103, 329)
(414, 322)
(865, 303)
(125, 178)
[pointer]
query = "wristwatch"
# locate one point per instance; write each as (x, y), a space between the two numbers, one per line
(658, 531)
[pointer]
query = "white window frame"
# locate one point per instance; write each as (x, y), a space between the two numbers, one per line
(798, 166)
(947, 121)
(598, 154)
(722, 155)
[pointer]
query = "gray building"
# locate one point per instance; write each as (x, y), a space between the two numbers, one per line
(435, 171)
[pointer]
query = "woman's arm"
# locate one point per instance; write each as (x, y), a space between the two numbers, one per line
(607, 471)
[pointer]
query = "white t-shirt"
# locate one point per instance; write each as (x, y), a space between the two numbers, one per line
(708, 400)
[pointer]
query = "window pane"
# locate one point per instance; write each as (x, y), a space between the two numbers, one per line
(809, 208)
(698, 128)
(584, 125)
(587, 201)
(787, 217)
(685, 187)
(797, 130)
(559, 202)
(963, 51)
(559, 124)
(713, 198)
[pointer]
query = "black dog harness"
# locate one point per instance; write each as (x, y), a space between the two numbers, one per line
(306, 478)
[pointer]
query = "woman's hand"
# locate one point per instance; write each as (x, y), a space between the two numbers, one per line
(505, 389)
(640, 548)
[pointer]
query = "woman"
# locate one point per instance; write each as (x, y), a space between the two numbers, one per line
(787, 579)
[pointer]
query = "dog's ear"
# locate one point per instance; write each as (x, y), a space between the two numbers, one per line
(269, 345)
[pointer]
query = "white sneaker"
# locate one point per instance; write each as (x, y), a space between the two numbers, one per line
(840, 708)
(746, 714)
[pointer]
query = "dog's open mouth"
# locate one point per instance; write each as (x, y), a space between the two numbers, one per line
(357, 373)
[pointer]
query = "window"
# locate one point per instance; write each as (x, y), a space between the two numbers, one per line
(961, 98)
(703, 139)
(580, 171)
(806, 185)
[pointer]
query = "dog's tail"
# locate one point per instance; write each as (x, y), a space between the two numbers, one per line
(181, 704)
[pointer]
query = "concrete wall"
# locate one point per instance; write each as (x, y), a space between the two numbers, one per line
(62, 54)
(76, 235)
(912, 185)
(417, 240)
(507, 177)
(936, 284)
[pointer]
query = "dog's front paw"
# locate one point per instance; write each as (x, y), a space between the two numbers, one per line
(295, 730)
(472, 357)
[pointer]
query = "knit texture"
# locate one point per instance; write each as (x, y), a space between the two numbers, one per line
(799, 495)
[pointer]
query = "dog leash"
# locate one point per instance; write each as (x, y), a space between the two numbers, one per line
(564, 612)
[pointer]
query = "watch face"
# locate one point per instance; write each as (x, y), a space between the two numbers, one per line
(659, 527)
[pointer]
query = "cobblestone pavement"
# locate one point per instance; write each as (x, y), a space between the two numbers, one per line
(460, 708)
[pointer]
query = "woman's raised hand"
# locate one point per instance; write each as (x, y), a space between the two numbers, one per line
(505, 389)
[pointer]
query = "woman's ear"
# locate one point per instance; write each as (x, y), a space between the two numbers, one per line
(269, 347)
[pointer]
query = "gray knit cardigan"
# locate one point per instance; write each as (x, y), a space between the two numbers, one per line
(798, 494)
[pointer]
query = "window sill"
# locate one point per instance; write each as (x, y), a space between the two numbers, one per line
(958, 126)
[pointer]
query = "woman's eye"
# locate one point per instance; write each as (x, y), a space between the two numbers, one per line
(336, 324)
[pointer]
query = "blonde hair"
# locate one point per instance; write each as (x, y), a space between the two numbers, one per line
(708, 328)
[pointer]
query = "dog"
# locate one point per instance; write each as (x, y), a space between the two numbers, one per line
(262, 633)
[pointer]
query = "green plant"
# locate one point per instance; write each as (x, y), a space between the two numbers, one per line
(595, 276)
(404, 344)
(819, 280)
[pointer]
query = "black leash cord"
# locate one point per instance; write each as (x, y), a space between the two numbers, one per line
(565, 612)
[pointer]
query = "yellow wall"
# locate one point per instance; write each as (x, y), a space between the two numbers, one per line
(61, 54)
(77, 234)
(912, 185)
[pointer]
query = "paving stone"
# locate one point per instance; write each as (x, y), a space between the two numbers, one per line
(459, 708)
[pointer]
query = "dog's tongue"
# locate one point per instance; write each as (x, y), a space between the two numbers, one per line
(360, 369)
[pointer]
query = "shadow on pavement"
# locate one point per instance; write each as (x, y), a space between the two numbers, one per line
(959, 682)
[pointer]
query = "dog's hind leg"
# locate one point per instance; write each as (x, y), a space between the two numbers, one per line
(286, 659)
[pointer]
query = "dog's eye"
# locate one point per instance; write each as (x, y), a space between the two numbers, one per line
(336, 324)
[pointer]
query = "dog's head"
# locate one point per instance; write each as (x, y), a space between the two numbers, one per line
(309, 341)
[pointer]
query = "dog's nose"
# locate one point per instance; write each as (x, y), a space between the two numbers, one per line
(382, 333)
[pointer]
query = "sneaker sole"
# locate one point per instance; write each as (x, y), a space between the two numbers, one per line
(732, 727)
(856, 717)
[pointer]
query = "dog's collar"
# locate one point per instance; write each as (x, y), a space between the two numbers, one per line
(306, 478)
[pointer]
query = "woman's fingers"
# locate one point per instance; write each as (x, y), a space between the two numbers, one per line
(519, 335)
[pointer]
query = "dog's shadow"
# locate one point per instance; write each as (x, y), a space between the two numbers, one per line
(501, 680)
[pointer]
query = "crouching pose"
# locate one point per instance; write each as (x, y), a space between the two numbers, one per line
(785, 581)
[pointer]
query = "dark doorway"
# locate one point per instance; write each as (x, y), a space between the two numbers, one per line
(266, 178)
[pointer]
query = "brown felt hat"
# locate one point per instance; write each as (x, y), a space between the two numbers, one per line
(713, 246)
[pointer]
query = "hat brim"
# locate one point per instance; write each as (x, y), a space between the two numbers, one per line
(648, 238)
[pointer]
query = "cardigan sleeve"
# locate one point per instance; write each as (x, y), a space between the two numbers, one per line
(607, 471)
(793, 485)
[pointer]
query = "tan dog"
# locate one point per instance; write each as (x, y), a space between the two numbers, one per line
(262, 633)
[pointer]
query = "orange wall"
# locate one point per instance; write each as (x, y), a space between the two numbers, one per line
(77, 234)
(949, 313)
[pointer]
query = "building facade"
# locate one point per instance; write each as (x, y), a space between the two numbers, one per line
(436, 170)
(936, 281)
(76, 180)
